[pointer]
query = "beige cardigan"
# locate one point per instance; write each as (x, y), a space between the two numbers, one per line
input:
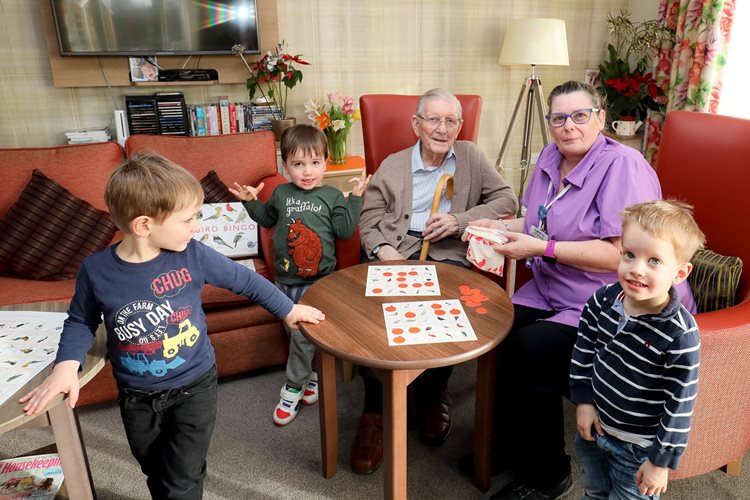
(479, 192)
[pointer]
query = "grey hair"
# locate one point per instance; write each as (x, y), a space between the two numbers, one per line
(439, 93)
(597, 99)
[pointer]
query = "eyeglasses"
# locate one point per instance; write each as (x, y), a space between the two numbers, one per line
(579, 117)
(434, 122)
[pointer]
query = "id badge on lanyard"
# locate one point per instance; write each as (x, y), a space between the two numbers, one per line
(540, 231)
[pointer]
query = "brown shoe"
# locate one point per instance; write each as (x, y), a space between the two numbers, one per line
(367, 447)
(435, 424)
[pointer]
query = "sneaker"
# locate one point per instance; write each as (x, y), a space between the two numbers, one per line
(310, 397)
(519, 491)
(288, 405)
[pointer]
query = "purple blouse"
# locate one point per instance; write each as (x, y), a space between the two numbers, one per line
(609, 178)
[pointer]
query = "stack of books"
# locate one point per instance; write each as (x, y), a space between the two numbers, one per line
(87, 136)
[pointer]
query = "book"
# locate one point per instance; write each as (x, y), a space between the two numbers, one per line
(143, 69)
(232, 118)
(200, 120)
(228, 229)
(37, 476)
(224, 119)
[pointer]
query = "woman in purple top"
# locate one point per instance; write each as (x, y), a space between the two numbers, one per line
(570, 237)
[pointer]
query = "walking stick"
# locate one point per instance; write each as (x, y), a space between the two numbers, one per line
(445, 179)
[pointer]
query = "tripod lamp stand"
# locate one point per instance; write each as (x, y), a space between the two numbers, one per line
(531, 42)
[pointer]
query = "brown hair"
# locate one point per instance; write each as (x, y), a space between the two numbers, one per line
(668, 220)
(149, 184)
(597, 99)
(305, 138)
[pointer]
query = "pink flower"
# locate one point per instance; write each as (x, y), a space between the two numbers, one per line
(348, 106)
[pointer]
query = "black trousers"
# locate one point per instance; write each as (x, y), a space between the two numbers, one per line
(169, 433)
(533, 376)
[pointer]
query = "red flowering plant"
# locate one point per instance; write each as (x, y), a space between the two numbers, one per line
(273, 75)
(632, 92)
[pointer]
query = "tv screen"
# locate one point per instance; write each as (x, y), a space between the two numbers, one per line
(155, 27)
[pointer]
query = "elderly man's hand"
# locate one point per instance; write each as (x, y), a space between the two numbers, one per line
(440, 226)
(387, 252)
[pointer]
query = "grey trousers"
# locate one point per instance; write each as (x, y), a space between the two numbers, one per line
(299, 365)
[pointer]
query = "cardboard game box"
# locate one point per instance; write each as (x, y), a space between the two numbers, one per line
(228, 228)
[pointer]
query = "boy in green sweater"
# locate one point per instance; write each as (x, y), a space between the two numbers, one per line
(309, 217)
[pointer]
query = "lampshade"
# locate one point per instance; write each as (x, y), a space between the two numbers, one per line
(535, 41)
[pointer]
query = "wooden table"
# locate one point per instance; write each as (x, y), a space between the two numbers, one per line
(60, 416)
(354, 330)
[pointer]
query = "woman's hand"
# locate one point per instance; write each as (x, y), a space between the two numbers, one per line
(440, 226)
(520, 246)
(246, 193)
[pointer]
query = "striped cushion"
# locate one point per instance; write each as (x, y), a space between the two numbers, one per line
(48, 231)
(215, 191)
(714, 280)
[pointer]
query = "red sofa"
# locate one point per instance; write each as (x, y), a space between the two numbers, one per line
(244, 335)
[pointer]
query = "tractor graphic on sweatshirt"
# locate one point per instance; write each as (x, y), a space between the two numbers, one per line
(187, 334)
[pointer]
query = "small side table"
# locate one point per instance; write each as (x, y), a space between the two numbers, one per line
(338, 175)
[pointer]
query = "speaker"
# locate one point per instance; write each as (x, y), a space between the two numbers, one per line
(188, 75)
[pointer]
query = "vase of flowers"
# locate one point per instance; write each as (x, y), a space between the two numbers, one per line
(631, 91)
(272, 76)
(335, 118)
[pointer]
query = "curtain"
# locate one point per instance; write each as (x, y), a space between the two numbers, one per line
(690, 70)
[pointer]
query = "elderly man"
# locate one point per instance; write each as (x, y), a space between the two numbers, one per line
(396, 218)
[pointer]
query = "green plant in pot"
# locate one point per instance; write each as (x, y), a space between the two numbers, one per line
(272, 77)
(631, 91)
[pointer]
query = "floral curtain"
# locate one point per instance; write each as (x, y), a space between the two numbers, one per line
(689, 72)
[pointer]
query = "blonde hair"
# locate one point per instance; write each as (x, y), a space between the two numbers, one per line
(305, 138)
(669, 220)
(149, 184)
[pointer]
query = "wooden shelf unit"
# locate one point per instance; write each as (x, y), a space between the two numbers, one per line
(85, 71)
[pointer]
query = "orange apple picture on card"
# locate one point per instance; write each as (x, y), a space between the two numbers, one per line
(426, 322)
(402, 281)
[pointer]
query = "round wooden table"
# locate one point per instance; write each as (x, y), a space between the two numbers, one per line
(354, 330)
(58, 414)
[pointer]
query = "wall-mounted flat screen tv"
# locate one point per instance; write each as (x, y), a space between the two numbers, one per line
(155, 27)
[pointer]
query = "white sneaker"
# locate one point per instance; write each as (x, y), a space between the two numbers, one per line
(310, 397)
(288, 405)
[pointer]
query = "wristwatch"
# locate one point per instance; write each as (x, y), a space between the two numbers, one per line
(375, 250)
(549, 253)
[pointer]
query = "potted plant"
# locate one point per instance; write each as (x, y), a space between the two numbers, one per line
(272, 76)
(630, 90)
(335, 119)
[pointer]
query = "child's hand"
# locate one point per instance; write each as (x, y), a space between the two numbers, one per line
(303, 313)
(360, 183)
(652, 479)
(586, 417)
(246, 193)
(64, 379)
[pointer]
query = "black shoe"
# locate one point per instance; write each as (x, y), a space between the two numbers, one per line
(498, 464)
(520, 491)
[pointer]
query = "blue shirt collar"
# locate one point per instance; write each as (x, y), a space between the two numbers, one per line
(416, 157)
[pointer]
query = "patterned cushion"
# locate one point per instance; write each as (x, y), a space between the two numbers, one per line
(714, 280)
(47, 233)
(214, 190)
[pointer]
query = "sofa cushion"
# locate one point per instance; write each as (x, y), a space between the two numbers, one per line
(48, 231)
(214, 190)
(714, 280)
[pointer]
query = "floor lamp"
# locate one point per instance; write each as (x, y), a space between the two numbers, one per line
(531, 42)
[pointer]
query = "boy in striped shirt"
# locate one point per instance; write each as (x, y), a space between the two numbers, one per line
(634, 371)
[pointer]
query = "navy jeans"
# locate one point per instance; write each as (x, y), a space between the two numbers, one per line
(169, 433)
(609, 466)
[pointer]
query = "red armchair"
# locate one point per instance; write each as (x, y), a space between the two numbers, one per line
(386, 124)
(703, 160)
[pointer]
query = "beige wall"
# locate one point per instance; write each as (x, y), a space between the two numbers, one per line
(355, 47)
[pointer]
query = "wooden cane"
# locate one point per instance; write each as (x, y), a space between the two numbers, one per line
(445, 179)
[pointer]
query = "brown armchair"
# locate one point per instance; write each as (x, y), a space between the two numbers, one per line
(703, 160)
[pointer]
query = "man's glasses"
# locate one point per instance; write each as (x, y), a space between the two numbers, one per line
(434, 122)
(579, 117)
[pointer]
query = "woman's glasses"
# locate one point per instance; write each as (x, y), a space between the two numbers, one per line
(579, 117)
(434, 122)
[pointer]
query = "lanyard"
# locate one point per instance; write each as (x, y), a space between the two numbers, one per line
(544, 209)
